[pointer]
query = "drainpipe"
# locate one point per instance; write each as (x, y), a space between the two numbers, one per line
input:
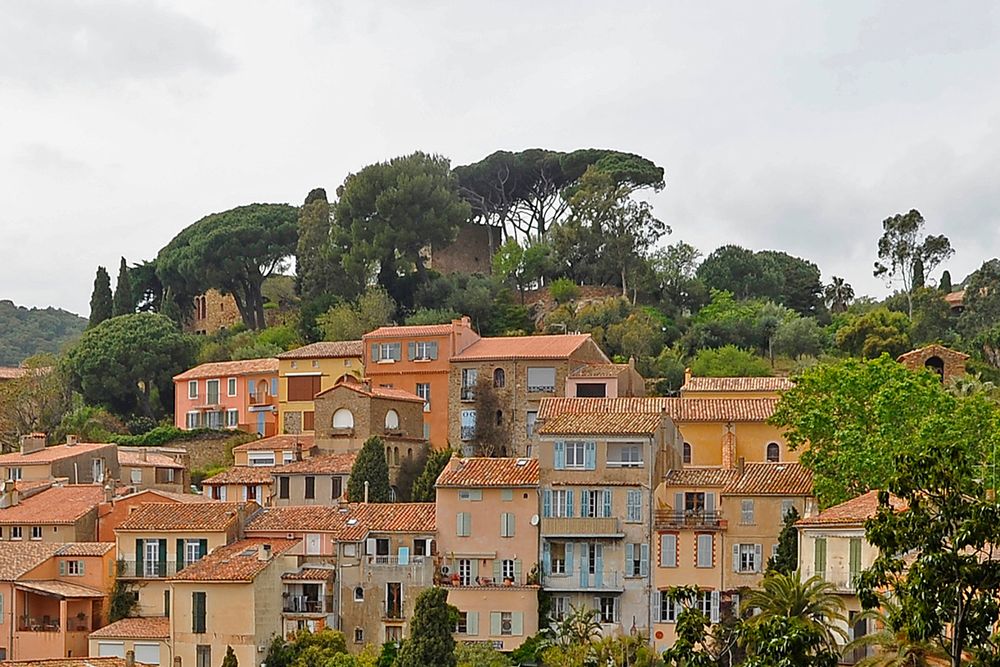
(654, 456)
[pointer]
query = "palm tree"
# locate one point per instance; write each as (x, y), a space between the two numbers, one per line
(892, 642)
(580, 626)
(838, 294)
(812, 601)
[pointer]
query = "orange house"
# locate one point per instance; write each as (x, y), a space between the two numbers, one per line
(416, 359)
(228, 394)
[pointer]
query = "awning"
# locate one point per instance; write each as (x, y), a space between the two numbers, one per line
(59, 589)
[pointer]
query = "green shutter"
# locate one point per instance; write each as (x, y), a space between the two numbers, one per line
(497, 574)
(472, 623)
(62, 568)
(855, 559)
(139, 548)
(517, 623)
(819, 560)
(494, 624)
(162, 564)
(179, 556)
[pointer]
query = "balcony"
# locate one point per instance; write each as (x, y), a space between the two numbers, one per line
(392, 612)
(606, 581)
(146, 569)
(698, 520)
(393, 561)
(306, 604)
(842, 581)
(261, 398)
(581, 527)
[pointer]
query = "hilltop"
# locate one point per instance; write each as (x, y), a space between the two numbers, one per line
(28, 331)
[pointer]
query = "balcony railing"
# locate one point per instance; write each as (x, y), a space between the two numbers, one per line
(580, 527)
(689, 519)
(597, 581)
(260, 398)
(842, 582)
(304, 604)
(541, 388)
(146, 569)
(393, 561)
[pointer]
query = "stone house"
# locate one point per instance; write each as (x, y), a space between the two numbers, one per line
(157, 468)
(307, 371)
(947, 363)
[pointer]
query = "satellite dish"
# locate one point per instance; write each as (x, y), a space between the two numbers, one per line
(534, 519)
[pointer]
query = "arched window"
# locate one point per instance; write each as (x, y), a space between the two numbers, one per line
(499, 377)
(391, 420)
(343, 418)
(359, 594)
(395, 456)
(773, 452)
(499, 417)
(687, 452)
(936, 364)
(409, 452)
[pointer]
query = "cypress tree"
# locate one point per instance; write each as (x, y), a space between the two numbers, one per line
(123, 303)
(423, 486)
(786, 559)
(430, 641)
(946, 282)
(371, 466)
(100, 298)
(230, 659)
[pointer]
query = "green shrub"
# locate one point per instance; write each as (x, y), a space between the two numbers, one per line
(564, 290)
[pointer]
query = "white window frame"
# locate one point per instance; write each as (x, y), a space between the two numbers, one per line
(747, 512)
(422, 350)
(604, 608)
(193, 420)
(192, 551)
(74, 568)
(465, 571)
(559, 607)
(151, 560)
(747, 563)
(36, 533)
(136, 475)
(557, 565)
(16, 533)
(507, 569)
(231, 387)
(208, 390)
(424, 392)
(287, 457)
(629, 455)
(192, 389)
(232, 418)
(14, 474)
(260, 459)
(506, 624)
(579, 451)
(561, 503)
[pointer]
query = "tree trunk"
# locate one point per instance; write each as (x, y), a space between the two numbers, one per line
(624, 287)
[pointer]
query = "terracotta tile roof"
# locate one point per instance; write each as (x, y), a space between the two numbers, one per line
(239, 561)
(27, 487)
(57, 505)
(155, 627)
(333, 464)
(409, 331)
(681, 410)
(954, 299)
(70, 662)
(560, 346)
(931, 350)
(602, 423)
(599, 370)
(487, 472)
(62, 589)
(374, 392)
(86, 548)
(53, 453)
(241, 475)
(348, 522)
(391, 518)
(326, 350)
(150, 460)
(158, 495)
(300, 518)
(278, 443)
(695, 477)
(19, 558)
(223, 369)
(738, 384)
(854, 511)
(209, 516)
(309, 574)
(772, 479)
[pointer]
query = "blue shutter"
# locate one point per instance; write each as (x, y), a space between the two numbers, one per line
(598, 557)
(569, 557)
(434, 350)
(411, 351)
(559, 455)
(274, 386)
(583, 502)
(569, 502)
(546, 503)
(629, 557)
(546, 558)
(607, 503)
(590, 454)
(643, 560)
(584, 563)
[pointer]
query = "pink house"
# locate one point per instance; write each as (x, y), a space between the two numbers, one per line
(228, 394)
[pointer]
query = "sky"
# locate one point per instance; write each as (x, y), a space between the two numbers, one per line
(781, 125)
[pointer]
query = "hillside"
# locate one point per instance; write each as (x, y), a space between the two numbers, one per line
(28, 331)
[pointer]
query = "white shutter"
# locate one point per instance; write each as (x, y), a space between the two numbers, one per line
(472, 623)
(111, 649)
(370, 546)
(736, 558)
(757, 557)
(147, 653)
(668, 550)
(715, 607)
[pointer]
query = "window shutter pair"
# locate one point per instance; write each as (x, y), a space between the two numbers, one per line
(464, 524)
(607, 504)
(198, 613)
(507, 524)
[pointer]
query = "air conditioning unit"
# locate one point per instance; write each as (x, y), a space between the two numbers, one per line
(445, 570)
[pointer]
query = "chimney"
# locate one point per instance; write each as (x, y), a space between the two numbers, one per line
(72, 439)
(687, 375)
(32, 443)
(366, 492)
(129, 658)
(9, 495)
(264, 553)
(741, 466)
(109, 493)
(729, 448)
(631, 362)
(143, 453)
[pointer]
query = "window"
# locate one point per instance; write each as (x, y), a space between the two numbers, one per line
(424, 392)
(575, 455)
(232, 418)
(507, 570)
(499, 378)
(192, 420)
(636, 560)
(625, 455)
(203, 655)
(633, 506)
(274, 386)
(855, 560)
(36, 532)
(212, 392)
(470, 494)
(387, 352)
(193, 551)
(198, 613)
(773, 452)
(559, 607)
(705, 550)
(423, 350)
(530, 418)
(557, 503)
(541, 379)
(464, 571)
(166, 603)
(136, 475)
(819, 557)
(559, 554)
(337, 483)
(506, 495)
(193, 389)
(308, 420)
(74, 568)
(747, 557)
(231, 387)
(287, 457)
(506, 623)
(420, 547)
(468, 424)
(462, 626)
(687, 452)
(359, 594)
(260, 458)
(669, 610)
(391, 420)
(15, 532)
(746, 512)
(668, 550)
(464, 523)
(343, 418)
(469, 378)
(507, 524)
(213, 419)
(590, 503)
(310, 487)
(608, 608)
(303, 387)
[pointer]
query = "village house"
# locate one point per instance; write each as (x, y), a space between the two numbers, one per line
(49, 513)
(522, 371)
(596, 473)
(51, 597)
(305, 372)
(147, 638)
(487, 541)
(241, 484)
(595, 380)
(318, 480)
(157, 468)
(230, 597)
(947, 363)
(112, 512)
(228, 394)
(716, 528)
(416, 359)
(276, 450)
(75, 461)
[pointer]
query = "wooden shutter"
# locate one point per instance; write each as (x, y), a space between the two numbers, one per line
(434, 350)
(607, 504)
(546, 503)
(714, 617)
(411, 351)
(643, 560)
(668, 550)
(736, 558)
(309, 420)
(472, 623)
(758, 557)
(161, 566)
(179, 556)
(517, 623)
(629, 558)
(819, 560)
(546, 558)
(679, 502)
(569, 503)
(590, 455)
(202, 548)
(568, 551)
(494, 624)
(559, 455)
(139, 555)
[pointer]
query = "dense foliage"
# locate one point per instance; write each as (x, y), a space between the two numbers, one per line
(25, 332)
(370, 467)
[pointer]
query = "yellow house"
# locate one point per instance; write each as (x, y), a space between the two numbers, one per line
(734, 387)
(231, 597)
(149, 638)
(307, 371)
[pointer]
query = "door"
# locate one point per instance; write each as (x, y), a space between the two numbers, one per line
(261, 425)
(152, 558)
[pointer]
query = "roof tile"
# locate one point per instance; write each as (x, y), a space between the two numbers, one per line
(854, 511)
(155, 627)
(18, 558)
(209, 516)
(326, 350)
(599, 370)
(737, 384)
(409, 331)
(239, 561)
(53, 453)
(680, 410)
(333, 464)
(772, 479)
(559, 346)
(221, 369)
(147, 460)
(56, 505)
(601, 423)
(70, 662)
(472, 472)
(241, 475)
(279, 442)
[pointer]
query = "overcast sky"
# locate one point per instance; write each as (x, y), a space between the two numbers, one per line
(797, 126)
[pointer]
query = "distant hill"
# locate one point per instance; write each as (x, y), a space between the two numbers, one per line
(28, 331)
